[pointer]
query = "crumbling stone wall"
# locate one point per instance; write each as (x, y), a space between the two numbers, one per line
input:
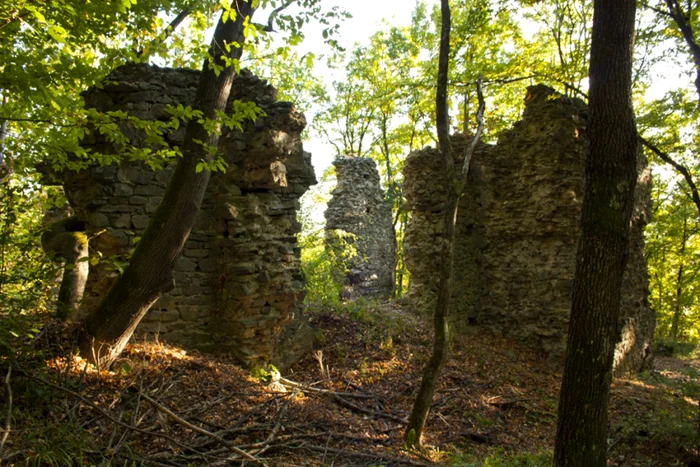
(359, 217)
(238, 282)
(517, 233)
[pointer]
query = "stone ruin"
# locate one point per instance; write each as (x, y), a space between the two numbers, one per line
(238, 285)
(517, 233)
(359, 220)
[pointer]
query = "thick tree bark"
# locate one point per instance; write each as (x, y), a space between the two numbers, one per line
(455, 185)
(149, 272)
(581, 439)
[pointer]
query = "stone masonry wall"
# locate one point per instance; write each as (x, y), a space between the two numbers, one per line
(358, 208)
(238, 282)
(517, 233)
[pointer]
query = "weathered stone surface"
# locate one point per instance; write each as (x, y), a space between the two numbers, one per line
(517, 233)
(358, 208)
(218, 302)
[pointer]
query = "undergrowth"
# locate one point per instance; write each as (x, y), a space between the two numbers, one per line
(502, 458)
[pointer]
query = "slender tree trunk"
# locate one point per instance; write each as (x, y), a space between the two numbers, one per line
(424, 398)
(582, 424)
(455, 185)
(676, 320)
(149, 273)
(421, 406)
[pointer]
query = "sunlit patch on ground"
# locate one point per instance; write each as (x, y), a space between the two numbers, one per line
(344, 404)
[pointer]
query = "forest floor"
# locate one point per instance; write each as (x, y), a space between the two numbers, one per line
(344, 405)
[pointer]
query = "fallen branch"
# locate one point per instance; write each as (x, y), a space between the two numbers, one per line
(201, 431)
(309, 389)
(105, 414)
(373, 413)
(278, 425)
(362, 455)
(506, 403)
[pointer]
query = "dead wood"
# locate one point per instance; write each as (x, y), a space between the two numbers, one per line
(199, 430)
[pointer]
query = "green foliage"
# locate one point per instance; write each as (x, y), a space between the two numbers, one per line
(27, 276)
(270, 373)
(673, 251)
(59, 445)
(665, 346)
(672, 415)
(324, 266)
(502, 458)
(322, 271)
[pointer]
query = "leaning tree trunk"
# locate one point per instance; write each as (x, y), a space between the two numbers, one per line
(149, 273)
(455, 185)
(581, 439)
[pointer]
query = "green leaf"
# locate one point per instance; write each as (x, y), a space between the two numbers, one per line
(37, 14)
(57, 33)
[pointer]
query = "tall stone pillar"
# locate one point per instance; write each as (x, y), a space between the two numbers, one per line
(359, 220)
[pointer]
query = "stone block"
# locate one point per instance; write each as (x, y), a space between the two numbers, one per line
(99, 220)
(185, 265)
(122, 189)
(140, 221)
(208, 264)
(138, 200)
(123, 222)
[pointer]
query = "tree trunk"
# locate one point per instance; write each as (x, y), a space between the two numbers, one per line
(424, 398)
(421, 406)
(455, 185)
(678, 308)
(149, 273)
(581, 438)
(65, 241)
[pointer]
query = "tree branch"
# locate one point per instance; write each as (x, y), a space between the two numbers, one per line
(469, 151)
(268, 27)
(105, 414)
(202, 431)
(680, 17)
(169, 29)
(679, 167)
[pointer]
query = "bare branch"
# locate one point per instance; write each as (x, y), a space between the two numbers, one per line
(169, 29)
(105, 414)
(202, 431)
(469, 151)
(679, 167)
(268, 27)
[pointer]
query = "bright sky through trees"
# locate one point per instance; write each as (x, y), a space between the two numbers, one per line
(367, 18)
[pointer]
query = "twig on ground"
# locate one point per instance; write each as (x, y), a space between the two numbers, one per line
(202, 431)
(278, 425)
(134, 418)
(362, 455)
(309, 389)
(373, 413)
(506, 403)
(105, 414)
